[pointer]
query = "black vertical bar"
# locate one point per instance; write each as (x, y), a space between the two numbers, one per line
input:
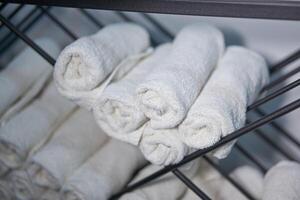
(26, 39)
(11, 15)
(190, 184)
(92, 18)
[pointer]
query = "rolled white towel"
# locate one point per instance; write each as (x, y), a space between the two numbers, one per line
(117, 111)
(22, 72)
(33, 125)
(162, 146)
(82, 66)
(282, 181)
(50, 195)
(5, 190)
(221, 106)
(167, 94)
(105, 173)
(71, 145)
(167, 187)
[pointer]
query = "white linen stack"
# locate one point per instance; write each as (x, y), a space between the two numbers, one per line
(71, 145)
(167, 93)
(282, 181)
(104, 173)
(31, 127)
(167, 187)
(24, 77)
(221, 106)
(83, 67)
(117, 111)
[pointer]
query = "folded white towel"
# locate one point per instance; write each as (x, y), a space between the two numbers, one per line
(82, 66)
(105, 173)
(5, 190)
(71, 145)
(117, 111)
(217, 187)
(33, 125)
(165, 187)
(221, 106)
(22, 72)
(167, 94)
(162, 146)
(282, 182)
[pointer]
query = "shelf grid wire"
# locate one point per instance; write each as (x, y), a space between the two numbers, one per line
(20, 30)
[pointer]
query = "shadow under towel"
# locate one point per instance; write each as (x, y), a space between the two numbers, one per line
(117, 111)
(32, 126)
(167, 93)
(83, 66)
(221, 107)
(105, 173)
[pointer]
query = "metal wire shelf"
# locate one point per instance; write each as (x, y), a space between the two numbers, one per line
(19, 31)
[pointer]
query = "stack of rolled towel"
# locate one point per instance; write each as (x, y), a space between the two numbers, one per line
(164, 103)
(183, 96)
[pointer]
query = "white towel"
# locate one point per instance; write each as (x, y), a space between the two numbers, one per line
(162, 146)
(167, 94)
(50, 195)
(282, 181)
(33, 125)
(221, 106)
(167, 187)
(82, 66)
(5, 190)
(117, 111)
(22, 72)
(71, 145)
(105, 173)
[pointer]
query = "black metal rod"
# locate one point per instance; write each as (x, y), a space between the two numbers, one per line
(27, 40)
(58, 23)
(280, 129)
(231, 180)
(190, 184)
(281, 79)
(273, 95)
(10, 38)
(251, 158)
(2, 6)
(236, 134)
(92, 18)
(11, 15)
(161, 28)
(285, 62)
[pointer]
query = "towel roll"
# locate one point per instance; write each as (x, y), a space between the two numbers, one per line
(50, 195)
(33, 125)
(167, 187)
(162, 146)
(82, 66)
(221, 106)
(167, 94)
(105, 173)
(23, 71)
(117, 111)
(282, 181)
(70, 146)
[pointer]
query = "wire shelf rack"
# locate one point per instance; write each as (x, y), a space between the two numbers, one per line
(288, 10)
